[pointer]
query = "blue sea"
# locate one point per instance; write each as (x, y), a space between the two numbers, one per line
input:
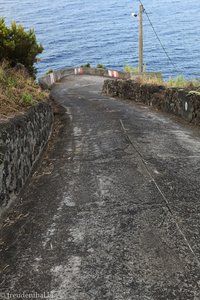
(75, 32)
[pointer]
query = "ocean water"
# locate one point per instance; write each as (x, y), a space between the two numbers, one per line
(74, 32)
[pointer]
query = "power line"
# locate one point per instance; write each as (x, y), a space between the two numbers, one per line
(158, 38)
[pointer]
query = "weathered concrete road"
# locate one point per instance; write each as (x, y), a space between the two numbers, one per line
(113, 212)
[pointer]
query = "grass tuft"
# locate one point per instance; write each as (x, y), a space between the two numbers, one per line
(175, 82)
(17, 91)
(129, 69)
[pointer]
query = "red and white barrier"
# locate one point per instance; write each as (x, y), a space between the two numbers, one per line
(114, 74)
(78, 71)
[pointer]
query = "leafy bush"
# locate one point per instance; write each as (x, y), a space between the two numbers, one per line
(127, 69)
(27, 99)
(100, 66)
(18, 46)
(86, 66)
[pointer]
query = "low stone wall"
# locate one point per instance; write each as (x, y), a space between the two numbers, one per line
(177, 101)
(22, 140)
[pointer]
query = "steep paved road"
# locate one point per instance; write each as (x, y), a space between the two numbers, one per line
(113, 210)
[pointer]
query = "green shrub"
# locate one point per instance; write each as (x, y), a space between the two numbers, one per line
(18, 46)
(11, 82)
(27, 99)
(127, 69)
(100, 66)
(86, 66)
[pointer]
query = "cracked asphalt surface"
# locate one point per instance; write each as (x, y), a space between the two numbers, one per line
(113, 209)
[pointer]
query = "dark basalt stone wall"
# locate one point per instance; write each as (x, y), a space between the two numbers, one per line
(22, 140)
(180, 102)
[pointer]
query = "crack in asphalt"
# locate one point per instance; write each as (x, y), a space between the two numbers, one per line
(160, 191)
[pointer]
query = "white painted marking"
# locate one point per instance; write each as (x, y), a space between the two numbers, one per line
(186, 106)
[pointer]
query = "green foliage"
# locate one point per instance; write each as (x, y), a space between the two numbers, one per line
(86, 66)
(135, 69)
(11, 82)
(18, 90)
(196, 83)
(19, 46)
(181, 82)
(49, 71)
(27, 99)
(178, 81)
(100, 66)
(129, 69)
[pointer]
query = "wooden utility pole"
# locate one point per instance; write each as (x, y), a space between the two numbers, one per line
(141, 40)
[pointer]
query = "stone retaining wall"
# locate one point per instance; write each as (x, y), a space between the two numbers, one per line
(22, 140)
(180, 102)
